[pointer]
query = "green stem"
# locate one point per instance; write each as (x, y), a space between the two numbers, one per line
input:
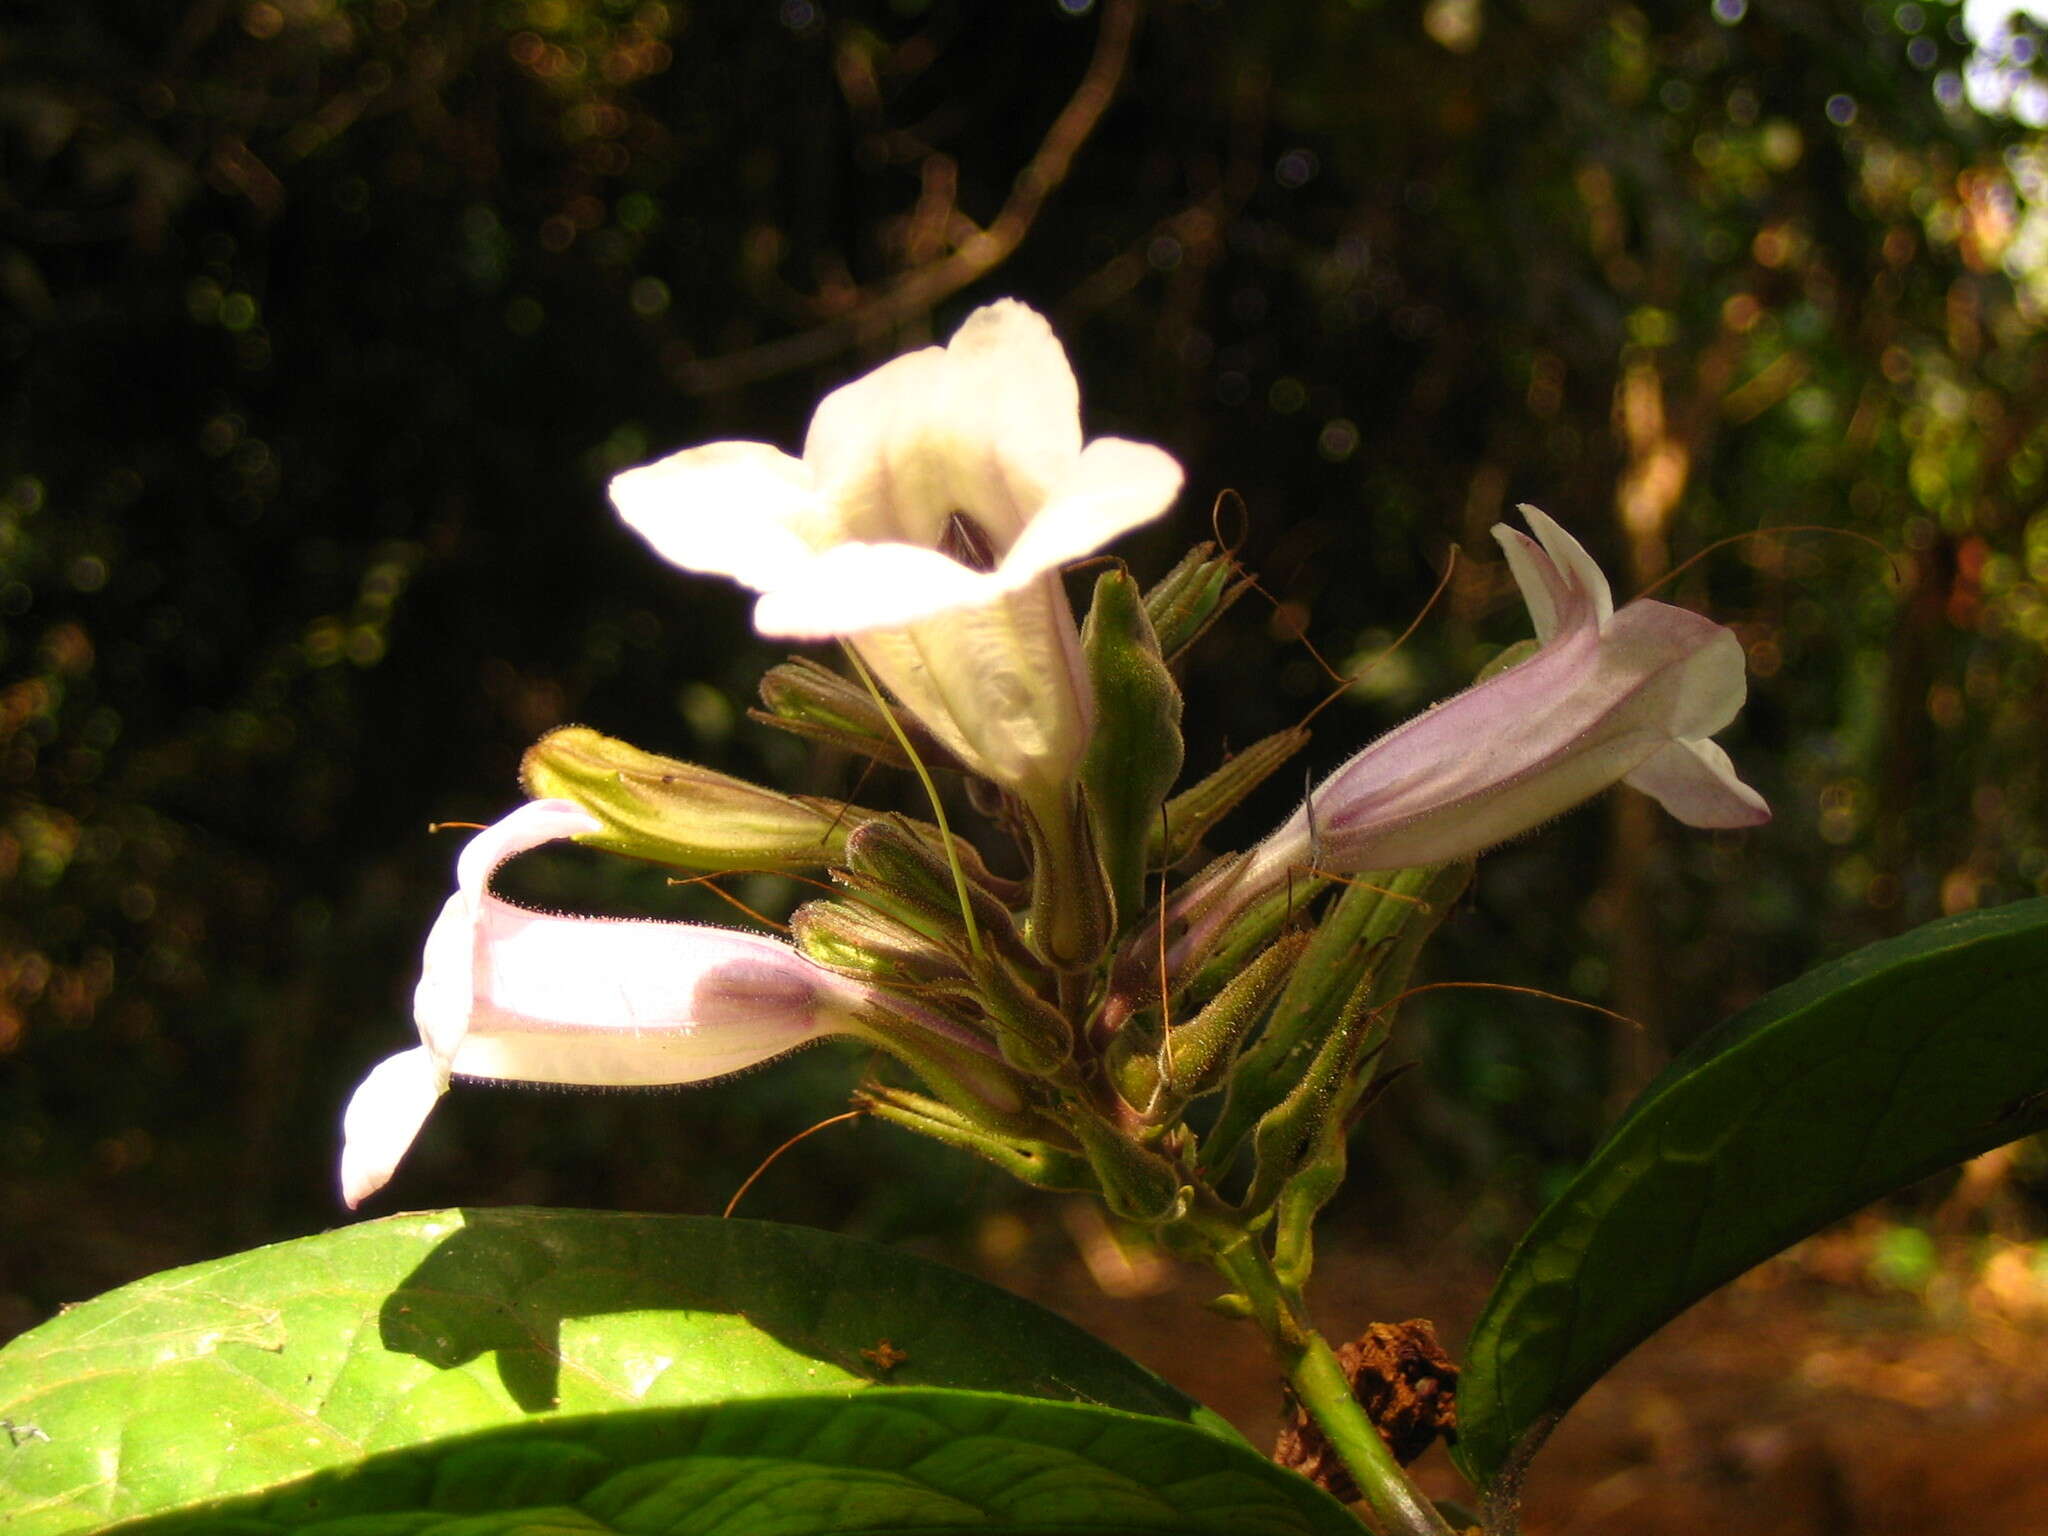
(1398, 1507)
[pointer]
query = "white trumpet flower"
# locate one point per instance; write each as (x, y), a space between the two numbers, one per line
(925, 524)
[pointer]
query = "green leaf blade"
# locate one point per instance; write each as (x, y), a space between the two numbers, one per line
(265, 1367)
(889, 1459)
(1890, 1064)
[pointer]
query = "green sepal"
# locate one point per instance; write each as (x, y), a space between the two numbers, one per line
(1033, 1035)
(811, 700)
(1135, 753)
(1232, 1304)
(1287, 1133)
(1196, 1053)
(1138, 1184)
(680, 814)
(1191, 596)
(1191, 813)
(1073, 909)
(1376, 926)
(1252, 930)
(1037, 1162)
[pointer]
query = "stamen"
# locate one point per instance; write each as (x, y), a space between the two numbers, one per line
(966, 542)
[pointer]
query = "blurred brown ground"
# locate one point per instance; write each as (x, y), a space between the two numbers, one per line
(1804, 1400)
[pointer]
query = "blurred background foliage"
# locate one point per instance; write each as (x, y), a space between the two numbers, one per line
(323, 323)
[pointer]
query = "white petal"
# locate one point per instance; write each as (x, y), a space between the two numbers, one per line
(860, 587)
(1580, 569)
(383, 1118)
(534, 823)
(1544, 592)
(1002, 684)
(988, 426)
(744, 510)
(878, 453)
(1116, 486)
(1695, 781)
(445, 998)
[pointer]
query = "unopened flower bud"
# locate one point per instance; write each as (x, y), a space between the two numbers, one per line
(1190, 596)
(857, 940)
(1137, 1183)
(1192, 812)
(1135, 754)
(1032, 1034)
(1194, 1055)
(815, 702)
(678, 813)
(889, 859)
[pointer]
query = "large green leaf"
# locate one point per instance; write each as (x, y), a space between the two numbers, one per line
(1864, 1075)
(883, 1460)
(257, 1369)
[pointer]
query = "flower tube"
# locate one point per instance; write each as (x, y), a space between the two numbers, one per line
(936, 499)
(509, 993)
(1630, 696)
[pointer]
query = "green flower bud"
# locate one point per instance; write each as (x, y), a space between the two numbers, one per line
(815, 702)
(1191, 595)
(857, 940)
(1073, 910)
(1373, 931)
(899, 865)
(677, 813)
(1196, 1054)
(1137, 1183)
(1038, 1162)
(1032, 1034)
(1135, 753)
(1191, 813)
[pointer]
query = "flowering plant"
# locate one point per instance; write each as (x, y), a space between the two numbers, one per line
(1097, 1007)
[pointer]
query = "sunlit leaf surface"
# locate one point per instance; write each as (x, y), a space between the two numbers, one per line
(255, 1371)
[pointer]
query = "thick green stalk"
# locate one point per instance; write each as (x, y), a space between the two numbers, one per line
(1398, 1507)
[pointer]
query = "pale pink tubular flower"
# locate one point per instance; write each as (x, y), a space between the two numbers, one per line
(1630, 696)
(509, 993)
(926, 523)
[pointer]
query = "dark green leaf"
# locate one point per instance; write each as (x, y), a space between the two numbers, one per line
(261, 1368)
(881, 1460)
(1864, 1075)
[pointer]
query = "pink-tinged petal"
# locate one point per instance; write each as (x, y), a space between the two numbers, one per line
(855, 588)
(634, 1004)
(1581, 571)
(1687, 672)
(744, 510)
(1115, 486)
(383, 1119)
(1633, 697)
(1695, 781)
